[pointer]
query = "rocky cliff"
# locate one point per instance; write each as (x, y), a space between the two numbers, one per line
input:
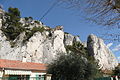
(43, 47)
(97, 48)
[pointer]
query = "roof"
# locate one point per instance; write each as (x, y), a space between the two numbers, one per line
(12, 64)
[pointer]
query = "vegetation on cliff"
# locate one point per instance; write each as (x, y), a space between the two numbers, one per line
(12, 27)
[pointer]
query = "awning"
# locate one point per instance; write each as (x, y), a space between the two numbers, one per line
(17, 72)
(39, 73)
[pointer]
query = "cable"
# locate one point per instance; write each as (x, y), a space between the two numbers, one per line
(53, 5)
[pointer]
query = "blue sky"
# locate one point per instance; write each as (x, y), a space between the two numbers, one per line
(71, 20)
(59, 15)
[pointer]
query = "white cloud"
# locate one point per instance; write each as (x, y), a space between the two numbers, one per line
(116, 48)
(109, 45)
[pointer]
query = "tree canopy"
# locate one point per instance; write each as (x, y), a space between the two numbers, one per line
(117, 71)
(74, 65)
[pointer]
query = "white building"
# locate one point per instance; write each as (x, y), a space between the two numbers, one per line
(21, 70)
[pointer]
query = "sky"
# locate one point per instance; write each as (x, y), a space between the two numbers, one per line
(72, 20)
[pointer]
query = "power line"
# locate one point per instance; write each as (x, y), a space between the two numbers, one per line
(53, 5)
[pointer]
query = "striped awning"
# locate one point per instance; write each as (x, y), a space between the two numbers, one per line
(17, 72)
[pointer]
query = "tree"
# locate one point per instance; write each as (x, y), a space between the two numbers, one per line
(14, 11)
(116, 71)
(74, 66)
(11, 25)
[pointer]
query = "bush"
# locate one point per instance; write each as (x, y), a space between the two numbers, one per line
(116, 71)
(37, 22)
(77, 47)
(30, 33)
(14, 12)
(38, 29)
(28, 18)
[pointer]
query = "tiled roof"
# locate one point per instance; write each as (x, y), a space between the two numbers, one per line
(12, 64)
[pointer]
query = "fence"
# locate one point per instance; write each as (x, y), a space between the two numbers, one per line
(103, 78)
(109, 78)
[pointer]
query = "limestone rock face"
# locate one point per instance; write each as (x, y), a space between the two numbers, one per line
(77, 39)
(39, 48)
(97, 48)
(42, 47)
(70, 39)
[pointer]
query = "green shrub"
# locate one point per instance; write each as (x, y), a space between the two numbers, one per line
(12, 44)
(27, 18)
(14, 12)
(36, 29)
(78, 48)
(37, 22)
(30, 33)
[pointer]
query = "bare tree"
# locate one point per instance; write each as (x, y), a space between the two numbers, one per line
(103, 12)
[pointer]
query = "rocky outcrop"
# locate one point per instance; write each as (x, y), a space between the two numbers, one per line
(70, 39)
(42, 47)
(101, 53)
(39, 48)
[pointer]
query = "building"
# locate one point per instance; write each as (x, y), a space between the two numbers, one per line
(21, 70)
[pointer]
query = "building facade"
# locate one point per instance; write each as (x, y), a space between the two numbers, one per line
(21, 70)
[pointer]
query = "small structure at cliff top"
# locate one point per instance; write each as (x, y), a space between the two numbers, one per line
(58, 28)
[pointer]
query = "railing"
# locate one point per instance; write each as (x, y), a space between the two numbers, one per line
(103, 78)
